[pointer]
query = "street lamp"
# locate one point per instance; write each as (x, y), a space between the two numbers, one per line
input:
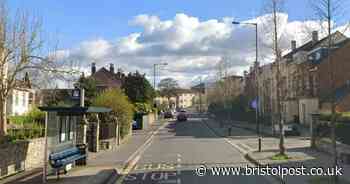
(155, 65)
(256, 78)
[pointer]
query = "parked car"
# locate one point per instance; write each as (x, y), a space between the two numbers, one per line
(182, 116)
(168, 114)
(134, 125)
(289, 129)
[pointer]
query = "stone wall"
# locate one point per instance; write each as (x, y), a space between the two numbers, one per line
(22, 155)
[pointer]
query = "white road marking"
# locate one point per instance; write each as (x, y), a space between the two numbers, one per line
(135, 157)
(178, 169)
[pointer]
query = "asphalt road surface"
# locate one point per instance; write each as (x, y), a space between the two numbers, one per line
(181, 147)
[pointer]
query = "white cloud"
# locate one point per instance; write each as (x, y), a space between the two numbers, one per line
(192, 47)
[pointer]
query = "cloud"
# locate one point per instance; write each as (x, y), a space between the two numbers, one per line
(191, 46)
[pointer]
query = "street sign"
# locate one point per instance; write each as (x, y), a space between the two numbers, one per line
(254, 103)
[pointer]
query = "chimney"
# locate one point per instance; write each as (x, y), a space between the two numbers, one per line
(93, 68)
(314, 36)
(111, 68)
(293, 45)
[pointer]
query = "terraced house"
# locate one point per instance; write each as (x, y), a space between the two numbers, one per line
(308, 80)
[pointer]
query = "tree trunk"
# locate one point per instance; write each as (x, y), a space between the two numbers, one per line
(278, 78)
(3, 118)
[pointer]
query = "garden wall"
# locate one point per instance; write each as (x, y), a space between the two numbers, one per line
(22, 155)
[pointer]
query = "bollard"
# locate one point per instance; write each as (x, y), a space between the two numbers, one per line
(229, 131)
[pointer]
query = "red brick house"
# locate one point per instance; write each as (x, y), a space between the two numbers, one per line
(106, 79)
(332, 79)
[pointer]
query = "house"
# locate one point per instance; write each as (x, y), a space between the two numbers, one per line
(106, 79)
(184, 99)
(303, 79)
(21, 97)
(267, 93)
(331, 79)
(234, 84)
(313, 75)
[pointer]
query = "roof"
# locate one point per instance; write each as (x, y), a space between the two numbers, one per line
(312, 45)
(332, 50)
(105, 78)
(198, 87)
(75, 110)
(25, 83)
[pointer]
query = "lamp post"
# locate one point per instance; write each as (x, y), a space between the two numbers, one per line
(155, 65)
(256, 64)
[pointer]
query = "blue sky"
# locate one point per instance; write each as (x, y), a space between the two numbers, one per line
(78, 20)
(194, 36)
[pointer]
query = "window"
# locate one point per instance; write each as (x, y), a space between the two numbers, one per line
(62, 132)
(31, 98)
(16, 93)
(66, 129)
(70, 128)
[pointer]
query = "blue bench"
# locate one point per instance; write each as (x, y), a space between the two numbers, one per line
(60, 159)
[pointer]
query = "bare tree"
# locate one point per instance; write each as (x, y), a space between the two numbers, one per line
(329, 11)
(21, 48)
(274, 7)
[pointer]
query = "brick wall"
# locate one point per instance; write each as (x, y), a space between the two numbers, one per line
(22, 155)
(339, 66)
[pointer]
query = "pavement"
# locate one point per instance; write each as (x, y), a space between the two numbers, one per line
(265, 129)
(102, 167)
(298, 149)
(248, 140)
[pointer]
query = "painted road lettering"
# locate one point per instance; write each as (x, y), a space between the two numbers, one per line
(153, 167)
(153, 176)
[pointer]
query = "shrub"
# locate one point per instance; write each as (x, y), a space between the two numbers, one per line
(120, 105)
(33, 116)
(143, 108)
(36, 115)
(29, 131)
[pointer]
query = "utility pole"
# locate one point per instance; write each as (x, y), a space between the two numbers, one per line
(154, 76)
(256, 68)
(200, 95)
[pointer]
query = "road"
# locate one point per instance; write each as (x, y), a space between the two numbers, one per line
(181, 147)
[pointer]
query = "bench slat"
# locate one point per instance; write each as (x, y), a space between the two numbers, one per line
(60, 159)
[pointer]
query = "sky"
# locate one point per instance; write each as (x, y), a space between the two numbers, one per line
(193, 36)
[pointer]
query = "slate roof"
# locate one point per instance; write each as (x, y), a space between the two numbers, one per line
(309, 46)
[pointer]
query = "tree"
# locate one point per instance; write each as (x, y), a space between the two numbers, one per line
(89, 85)
(138, 88)
(168, 87)
(275, 7)
(327, 11)
(120, 105)
(20, 51)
